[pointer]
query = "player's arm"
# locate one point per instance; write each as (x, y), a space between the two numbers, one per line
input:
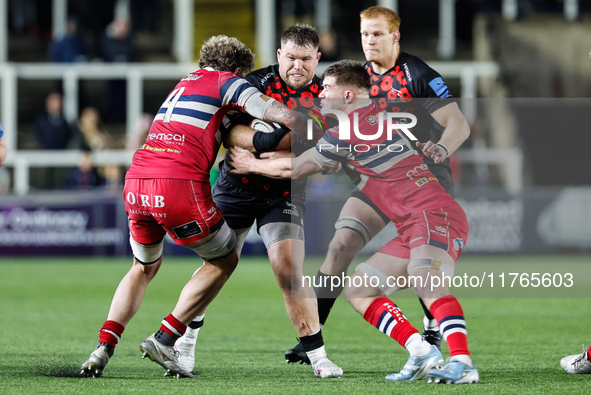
(3, 152)
(257, 141)
(244, 162)
(294, 120)
(455, 133)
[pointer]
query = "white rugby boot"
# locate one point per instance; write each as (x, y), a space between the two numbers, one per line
(577, 363)
(165, 356)
(324, 368)
(185, 345)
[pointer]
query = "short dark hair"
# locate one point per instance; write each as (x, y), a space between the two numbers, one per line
(350, 73)
(223, 53)
(301, 35)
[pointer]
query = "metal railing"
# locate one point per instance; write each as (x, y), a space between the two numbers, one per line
(136, 74)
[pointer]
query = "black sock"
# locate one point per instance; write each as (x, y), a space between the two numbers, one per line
(196, 324)
(312, 342)
(110, 348)
(164, 338)
(426, 310)
(326, 295)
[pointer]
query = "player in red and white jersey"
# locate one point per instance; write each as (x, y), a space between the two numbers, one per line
(400, 82)
(432, 227)
(167, 191)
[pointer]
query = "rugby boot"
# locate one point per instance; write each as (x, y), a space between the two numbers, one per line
(454, 372)
(432, 337)
(324, 368)
(185, 345)
(96, 363)
(417, 367)
(297, 354)
(577, 363)
(165, 356)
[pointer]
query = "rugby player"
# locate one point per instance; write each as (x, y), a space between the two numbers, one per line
(278, 206)
(167, 190)
(577, 363)
(396, 79)
(2, 148)
(426, 217)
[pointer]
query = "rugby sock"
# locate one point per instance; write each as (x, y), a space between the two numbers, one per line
(589, 354)
(314, 346)
(109, 336)
(170, 330)
(387, 317)
(449, 314)
(430, 323)
(193, 329)
(416, 345)
(325, 295)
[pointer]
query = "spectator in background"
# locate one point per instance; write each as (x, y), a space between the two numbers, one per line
(86, 176)
(91, 133)
(52, 132)
(92, 136)
(116, 46)
(51, 129)
(70, 47)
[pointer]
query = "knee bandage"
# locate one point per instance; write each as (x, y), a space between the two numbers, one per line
(356, 226)
(428, 263)
(387, 287)
(219, 246)
(146, 254)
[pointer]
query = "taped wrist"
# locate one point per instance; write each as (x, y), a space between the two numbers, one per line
(264, 142)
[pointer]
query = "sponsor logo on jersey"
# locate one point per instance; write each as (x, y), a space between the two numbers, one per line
(407, 71)
(439, 87)
(441, 229)
(138, 199)
(424, 180)
(418, 169)
(372, 119)
(265, 78)
(192, 77)
(458, 244)
(177, 138)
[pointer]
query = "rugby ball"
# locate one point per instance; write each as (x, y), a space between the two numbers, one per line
(261, 126)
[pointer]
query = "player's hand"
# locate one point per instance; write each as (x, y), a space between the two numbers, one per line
(432, 151)
(241, 160)
(276, 154)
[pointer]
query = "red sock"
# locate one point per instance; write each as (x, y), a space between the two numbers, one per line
(589, 354)
(387, 317)
(111, 332)
(448, 313)
(173, 327)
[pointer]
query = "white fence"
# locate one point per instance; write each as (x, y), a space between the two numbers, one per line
(136, 74)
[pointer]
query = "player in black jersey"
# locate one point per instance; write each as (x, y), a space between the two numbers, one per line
(278, 206)
(400, 82)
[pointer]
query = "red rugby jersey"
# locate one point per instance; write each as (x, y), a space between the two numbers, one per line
(184, 138)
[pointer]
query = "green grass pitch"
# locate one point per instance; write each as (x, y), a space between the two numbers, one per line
(51, 310)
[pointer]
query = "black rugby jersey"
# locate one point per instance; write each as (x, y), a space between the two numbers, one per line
(269, 82)
(394, 91)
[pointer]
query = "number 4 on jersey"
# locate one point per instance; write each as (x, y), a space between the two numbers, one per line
(170, 103)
